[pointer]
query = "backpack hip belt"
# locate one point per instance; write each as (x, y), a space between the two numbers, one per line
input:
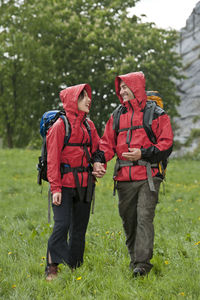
(64, 169)
(127, 163)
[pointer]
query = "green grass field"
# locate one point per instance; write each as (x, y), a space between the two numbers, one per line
(105, 274)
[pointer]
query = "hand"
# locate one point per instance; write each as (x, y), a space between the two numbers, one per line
(57, 198)
(98, 170)
(134, 154)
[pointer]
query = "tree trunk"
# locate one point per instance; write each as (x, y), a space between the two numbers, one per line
(9, 136)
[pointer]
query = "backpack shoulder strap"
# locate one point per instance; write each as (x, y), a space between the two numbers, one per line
(116, 116)
(67, 129)
(148, 119)
(151, 109)
(87, 125)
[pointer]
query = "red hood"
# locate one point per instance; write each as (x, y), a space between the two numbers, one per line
(136, 82)
(69, 97)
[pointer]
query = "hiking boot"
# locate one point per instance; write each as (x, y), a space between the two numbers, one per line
(139, 272)
(51, 272)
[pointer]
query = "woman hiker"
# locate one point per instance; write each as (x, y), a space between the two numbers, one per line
(70, 176)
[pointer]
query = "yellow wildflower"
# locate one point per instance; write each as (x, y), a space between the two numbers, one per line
(182, 294)
(179, 200)
(166, 262)
(197, 243)
(79, 278)
(9, 253)
(14, 286)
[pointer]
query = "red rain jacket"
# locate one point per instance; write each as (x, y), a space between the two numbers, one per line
(71, 155)
(112, 143)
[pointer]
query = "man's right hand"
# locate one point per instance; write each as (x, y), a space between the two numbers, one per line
(98, 170)
(57, 198)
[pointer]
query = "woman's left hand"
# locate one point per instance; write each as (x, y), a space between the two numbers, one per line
(57, 198)
(98, 170)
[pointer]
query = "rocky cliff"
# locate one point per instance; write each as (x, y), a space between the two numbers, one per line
(188, 123)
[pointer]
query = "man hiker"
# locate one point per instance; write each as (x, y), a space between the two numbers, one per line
(137, 173)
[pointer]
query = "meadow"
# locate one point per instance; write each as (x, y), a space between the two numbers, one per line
(105, 274)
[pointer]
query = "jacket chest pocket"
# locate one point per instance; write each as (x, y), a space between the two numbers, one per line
(137, 138)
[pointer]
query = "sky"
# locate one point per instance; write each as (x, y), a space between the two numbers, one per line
(165, 13)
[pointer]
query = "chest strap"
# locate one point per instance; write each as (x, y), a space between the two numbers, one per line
(127, 163)
(131, 128)
(85, 145)
(129, 132)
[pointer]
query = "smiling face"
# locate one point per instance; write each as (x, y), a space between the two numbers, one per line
(84, 102)
(125, 92)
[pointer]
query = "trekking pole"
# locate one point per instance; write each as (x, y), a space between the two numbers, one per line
(49, 204)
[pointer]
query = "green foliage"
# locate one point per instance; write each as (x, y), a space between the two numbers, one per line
(194, 155)
(177, 145)
(196, 119)
(105, 273)
(195, 133)
(27, 72)
(48, 45)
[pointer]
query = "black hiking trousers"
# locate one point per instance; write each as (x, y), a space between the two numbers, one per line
(137, 209)
(67, 242)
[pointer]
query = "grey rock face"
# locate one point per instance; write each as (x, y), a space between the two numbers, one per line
(189, 88)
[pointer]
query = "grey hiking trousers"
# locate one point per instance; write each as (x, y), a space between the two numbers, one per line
(137, 209)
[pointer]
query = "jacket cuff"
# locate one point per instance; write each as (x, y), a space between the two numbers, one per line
(98, 156)
(143, 153)
(56, 190)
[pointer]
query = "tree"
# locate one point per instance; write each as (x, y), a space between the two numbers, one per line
(105, 43)
(48, 45)
(27, 71)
